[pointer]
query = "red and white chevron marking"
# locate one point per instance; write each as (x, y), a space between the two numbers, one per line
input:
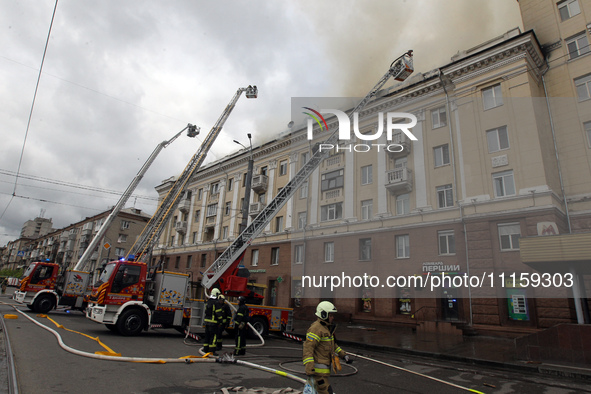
(295, 338)
(194, 336)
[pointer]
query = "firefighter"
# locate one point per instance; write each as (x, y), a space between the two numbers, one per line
(223, 315)
(320, 347)
(240, 320)
(209, 318)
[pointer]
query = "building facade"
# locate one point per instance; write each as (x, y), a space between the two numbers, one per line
(502, 155)
(65, 246)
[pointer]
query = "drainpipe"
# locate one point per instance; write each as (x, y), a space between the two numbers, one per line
(453, 165)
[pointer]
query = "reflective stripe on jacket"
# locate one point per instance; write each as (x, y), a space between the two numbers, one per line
(319, 347)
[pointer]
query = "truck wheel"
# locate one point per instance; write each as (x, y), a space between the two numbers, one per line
(261, 325)
(131, 322)
(44, 304)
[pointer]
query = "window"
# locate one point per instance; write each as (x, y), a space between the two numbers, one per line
(203, 260)
(282, 167)
(302, 220)
(199, 194)
(577, 46)
(189, 261)
(366, 208)
(299, 254)
(587, 126)
(215, 188)
(194, 237)
(304, 190)
(197, 214)
(244, 179)
(278, 224)
(332, 180)
(120, 252)
(304, 158)
(254, 257)
(441, 154)
(504, 184)
(329, 252)
(568, 9)
(402, 204)
(263, 171)
(497, 139)
(274, 256)
(230, 184)
(365, 249)
(439, 117)
(177, 262)
(262, 197)
(124, 224)
(583, 86)
(509, 235)
(122, 238)
(492, 97)
(228, 208)
(225, 232)
(331, 212)
(447, 242)
(171, 241)
(445, 196)
(402, 246)
(212, 210)
(366, 175)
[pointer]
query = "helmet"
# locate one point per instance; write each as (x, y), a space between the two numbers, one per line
(221, 297)
(241, 300)
(215, 292)
(324, 308)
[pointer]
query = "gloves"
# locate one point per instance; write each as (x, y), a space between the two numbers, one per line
(241, 326)
(348, 359)
(310, 368)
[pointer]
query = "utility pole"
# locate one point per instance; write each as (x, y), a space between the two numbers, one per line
(246, 203)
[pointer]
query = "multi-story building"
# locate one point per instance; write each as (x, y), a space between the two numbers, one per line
(36, 228)
(65, 246)
(502, 154)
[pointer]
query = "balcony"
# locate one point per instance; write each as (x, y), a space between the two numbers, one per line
(259, 183)
(86, 231)
(64, 237)
(181, 226)
(336, 193)
(399, 180)
(209, 221)
(185, 205)
(334, 160)
(256, 208)
(404, 142)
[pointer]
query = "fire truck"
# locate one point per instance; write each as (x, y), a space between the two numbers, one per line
(156, 301)
(42, 287)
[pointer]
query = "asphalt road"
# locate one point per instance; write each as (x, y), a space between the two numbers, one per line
(43, 366)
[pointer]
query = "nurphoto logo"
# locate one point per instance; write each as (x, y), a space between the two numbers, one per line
(345, 130)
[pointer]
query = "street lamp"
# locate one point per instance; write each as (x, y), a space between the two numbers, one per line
(246, 203)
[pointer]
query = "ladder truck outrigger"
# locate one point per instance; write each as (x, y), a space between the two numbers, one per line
(128, 297)
(45, 285)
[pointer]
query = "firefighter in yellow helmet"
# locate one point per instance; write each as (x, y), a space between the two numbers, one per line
(320, 347)
(211, 323)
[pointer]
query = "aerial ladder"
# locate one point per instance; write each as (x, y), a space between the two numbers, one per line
(223, 272)
(192, 131)
(151, 233)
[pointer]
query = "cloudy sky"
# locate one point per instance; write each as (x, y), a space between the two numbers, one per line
(119, 77)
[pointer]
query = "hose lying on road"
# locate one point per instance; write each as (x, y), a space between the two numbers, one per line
(186, 360)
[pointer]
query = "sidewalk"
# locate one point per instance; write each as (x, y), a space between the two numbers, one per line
(478, 350)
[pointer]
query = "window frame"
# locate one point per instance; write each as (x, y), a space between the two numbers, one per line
(326, 210)
(447, 235)
(274, 256)
(496, 133)
(366, 175)
(366, 209)
(298, 254)
(436, 124)
(587, 128)
(444, 149)
(503, 175)
(329, 252)
(496, 97)
(580, 49)
(405, 204)
(279, 224)
(283, 167)
(446, 191)
(302, 223)
(566, 5)
(212, 210)
(405, 239)
(511, 239)
(584, 80)
(364, 249)
(254, 258)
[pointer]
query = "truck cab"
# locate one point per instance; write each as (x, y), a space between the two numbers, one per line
(37, 287)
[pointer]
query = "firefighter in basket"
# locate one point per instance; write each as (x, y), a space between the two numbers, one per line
(320, 349)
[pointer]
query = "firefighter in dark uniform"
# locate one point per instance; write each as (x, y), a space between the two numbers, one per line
(320, 347)
(240, 321)
(223, 315)
(209, 341)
